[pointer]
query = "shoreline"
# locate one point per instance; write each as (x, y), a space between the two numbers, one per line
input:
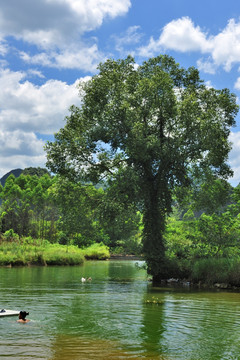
(125, 257)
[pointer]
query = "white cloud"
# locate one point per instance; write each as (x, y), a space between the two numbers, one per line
(27, 110)
(206, 66)
(35, 73)
(179, 35)
(30, 107)
(20, 143)
(82, 57)
(3, 48)
(183, 35)
(54, 22)
(237, 84)
(20, 149)
(57, 28)
(226, 46)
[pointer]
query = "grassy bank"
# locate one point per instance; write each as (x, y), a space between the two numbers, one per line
(213, 270)
(206, 271)
(30, 251)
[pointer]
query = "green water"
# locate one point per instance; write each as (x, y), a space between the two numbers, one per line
(108, 318)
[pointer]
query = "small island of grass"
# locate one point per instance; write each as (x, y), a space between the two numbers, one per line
(28, 251)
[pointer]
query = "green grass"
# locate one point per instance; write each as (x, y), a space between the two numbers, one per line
(96, 251)
(217, 270)
(29, 251)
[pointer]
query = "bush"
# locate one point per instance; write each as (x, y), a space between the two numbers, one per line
(211, 270)
(10, 235)
(96, 251)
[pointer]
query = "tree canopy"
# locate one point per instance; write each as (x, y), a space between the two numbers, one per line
(150, 129)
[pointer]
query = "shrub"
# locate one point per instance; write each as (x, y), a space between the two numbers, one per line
(211, 270)
(97, 251)
(10, 235)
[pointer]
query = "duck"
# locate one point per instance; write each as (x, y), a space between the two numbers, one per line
(83, 279)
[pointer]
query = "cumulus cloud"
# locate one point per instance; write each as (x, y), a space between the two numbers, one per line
(207, 66)
(183, 35)
(85, 58)
(44, 33)
(34, 108)
(179, 35)
(20, 143)
(57, 28)
(51, 22)
(226, 45)
(27, 110)
(21, 161)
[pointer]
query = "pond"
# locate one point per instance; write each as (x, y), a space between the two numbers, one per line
(113, 316)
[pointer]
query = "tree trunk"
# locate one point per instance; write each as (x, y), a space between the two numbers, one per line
(153, 244)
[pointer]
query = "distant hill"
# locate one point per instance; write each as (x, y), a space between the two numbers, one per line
(15, 172)
(27, 171)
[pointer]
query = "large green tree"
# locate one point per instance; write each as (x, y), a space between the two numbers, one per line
(150, 128)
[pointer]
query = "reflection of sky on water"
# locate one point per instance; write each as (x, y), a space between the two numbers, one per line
(109, 315)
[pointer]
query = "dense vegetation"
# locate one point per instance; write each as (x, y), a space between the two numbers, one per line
(27, 251)
(202, 235)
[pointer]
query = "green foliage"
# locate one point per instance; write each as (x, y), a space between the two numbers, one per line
(96, 251)
(212, 270)
(27, 206)
(10, 235)
(219, 231)
(35, 171)
(65, 212)
(177, 237)
(120, 221)
(28, 251)
(206, 248)
(77, 210)
(56, 254)
(132, 246)
(15, 172)
(147, 130)
(212, 196)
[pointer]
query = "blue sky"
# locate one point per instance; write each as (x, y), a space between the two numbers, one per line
(48, 46)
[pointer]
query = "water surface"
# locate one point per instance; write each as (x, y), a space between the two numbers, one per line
(110, 318)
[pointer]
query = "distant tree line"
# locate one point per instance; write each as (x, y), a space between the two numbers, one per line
(48, 207)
